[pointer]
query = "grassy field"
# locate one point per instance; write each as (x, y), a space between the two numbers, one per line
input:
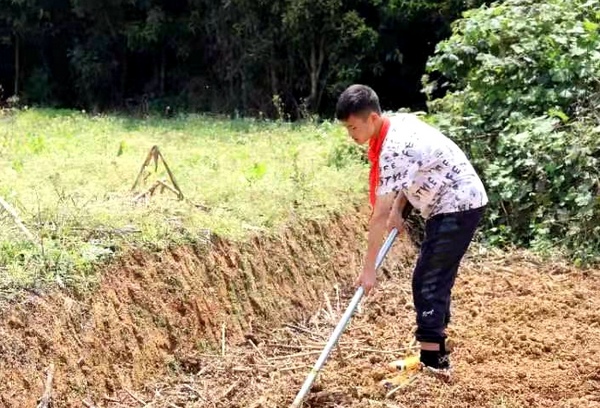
(70, 177)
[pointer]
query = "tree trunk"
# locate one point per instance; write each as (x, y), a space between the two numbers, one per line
(163, 63)
(273, 75)
(321, 62)
(314, 78)
(323, 87)
(317, 58)
(124, 72)
(17, 63)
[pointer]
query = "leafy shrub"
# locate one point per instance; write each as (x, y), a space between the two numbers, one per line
(522, 81)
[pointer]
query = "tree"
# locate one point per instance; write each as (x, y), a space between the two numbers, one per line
(274, 58)
(522, 80)
(26, 20)
(330, 38)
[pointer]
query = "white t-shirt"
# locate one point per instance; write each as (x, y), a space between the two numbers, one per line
(429, 168)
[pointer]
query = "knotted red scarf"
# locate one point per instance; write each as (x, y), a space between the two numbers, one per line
(375, 144)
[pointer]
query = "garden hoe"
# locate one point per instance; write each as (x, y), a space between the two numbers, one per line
(337, 332)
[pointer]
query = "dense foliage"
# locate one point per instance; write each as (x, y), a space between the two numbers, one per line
(523, 82)
(277, 58)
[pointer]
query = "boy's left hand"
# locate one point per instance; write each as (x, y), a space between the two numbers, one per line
(367, 279)
(395, 220)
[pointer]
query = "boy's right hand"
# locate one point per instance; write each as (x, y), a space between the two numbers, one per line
(395, 220)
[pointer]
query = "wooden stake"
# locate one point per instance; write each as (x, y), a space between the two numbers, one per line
(168, 187)
(154, 155)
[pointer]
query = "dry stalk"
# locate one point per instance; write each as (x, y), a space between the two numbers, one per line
(135, 397)
(303, 330)
(398, 388)
(111, 399)
(332, 315)
(230, 389)
(308, 353)
(223, 340)
(87, 403)
(260, 353)
(17, 220)
(195, 391)
(47, 396)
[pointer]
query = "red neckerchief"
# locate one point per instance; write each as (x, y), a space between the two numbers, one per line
(375, 144)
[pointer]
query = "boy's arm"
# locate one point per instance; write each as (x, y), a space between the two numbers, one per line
(399, 174)
(400, 211)
(399, 203)
(377, 230)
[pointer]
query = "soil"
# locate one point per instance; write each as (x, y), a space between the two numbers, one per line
(241, 324)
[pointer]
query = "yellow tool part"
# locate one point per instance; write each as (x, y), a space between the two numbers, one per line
(412, 363)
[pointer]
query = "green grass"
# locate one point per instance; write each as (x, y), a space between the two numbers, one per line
(70, 176)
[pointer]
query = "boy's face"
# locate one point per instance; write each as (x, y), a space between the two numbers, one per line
(361, 127)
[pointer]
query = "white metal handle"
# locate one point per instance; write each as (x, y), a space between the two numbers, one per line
(337, 332)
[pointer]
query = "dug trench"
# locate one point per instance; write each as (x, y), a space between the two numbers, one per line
(240, 325)
(151, 311)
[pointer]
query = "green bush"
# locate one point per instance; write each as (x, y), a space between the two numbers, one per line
(523, 84)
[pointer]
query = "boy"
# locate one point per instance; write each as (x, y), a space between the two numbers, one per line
(412, 163)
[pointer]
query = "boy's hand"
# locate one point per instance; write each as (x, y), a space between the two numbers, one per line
(367, 279)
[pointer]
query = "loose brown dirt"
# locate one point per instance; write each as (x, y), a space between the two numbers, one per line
(240, 325)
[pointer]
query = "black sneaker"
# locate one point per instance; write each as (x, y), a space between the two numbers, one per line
(442, 369)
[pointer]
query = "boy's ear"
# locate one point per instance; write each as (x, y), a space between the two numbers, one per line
(373, 116)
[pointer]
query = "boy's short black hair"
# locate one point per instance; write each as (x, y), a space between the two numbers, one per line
(357, 99)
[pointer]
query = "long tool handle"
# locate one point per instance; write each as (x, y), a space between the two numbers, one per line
(341, 325)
